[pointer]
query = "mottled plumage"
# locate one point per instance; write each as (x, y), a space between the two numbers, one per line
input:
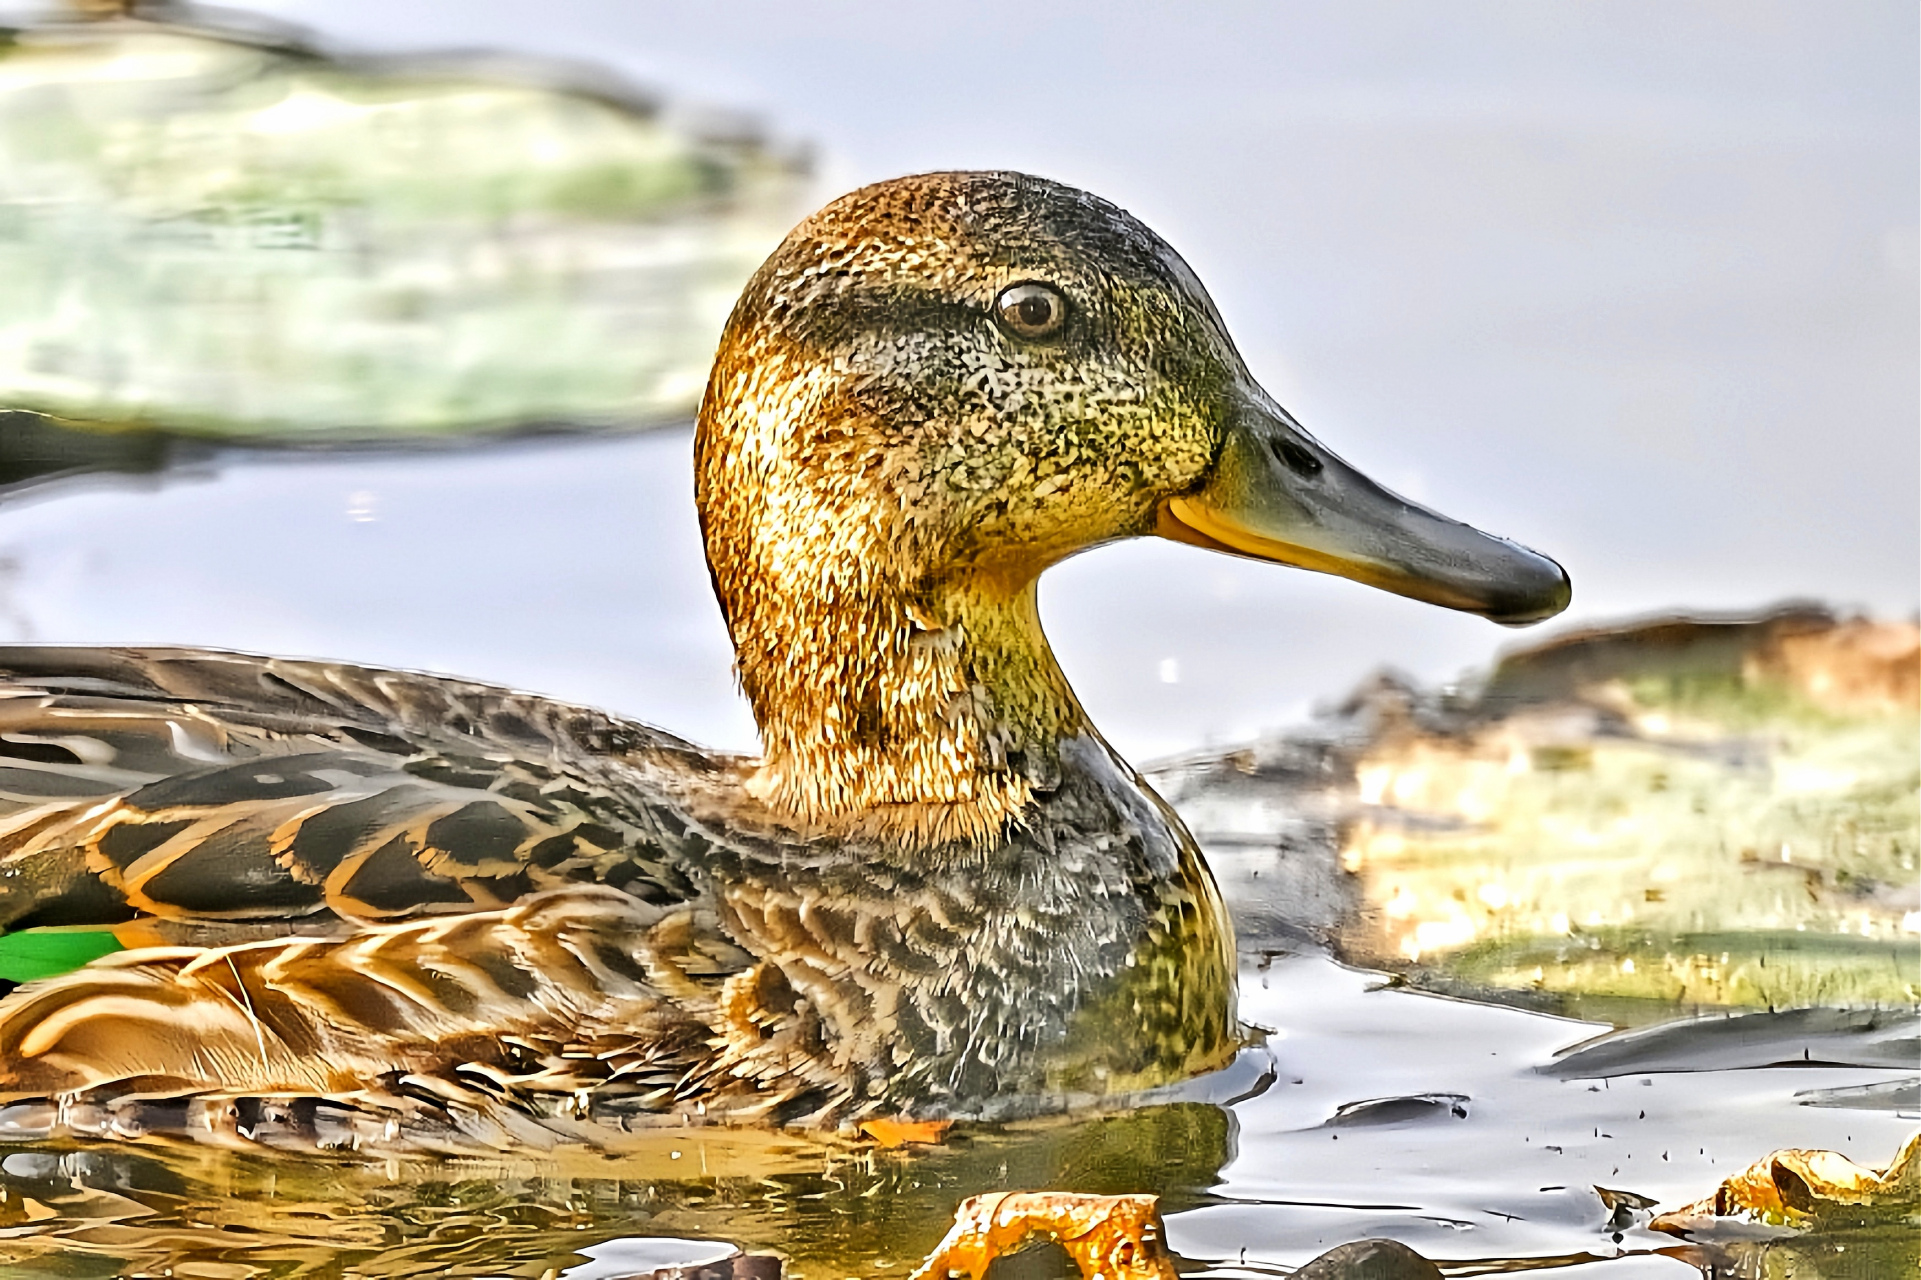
(705, 963)
(405, 912)
(214, 786)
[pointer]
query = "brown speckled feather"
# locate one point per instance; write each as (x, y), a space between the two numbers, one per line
(577, 1005)
(201, 785)
(797, 982)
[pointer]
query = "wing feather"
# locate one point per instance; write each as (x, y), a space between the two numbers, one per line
(574, 1006)
(216, 786)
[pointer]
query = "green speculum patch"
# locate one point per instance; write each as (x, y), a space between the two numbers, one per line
(47, 953)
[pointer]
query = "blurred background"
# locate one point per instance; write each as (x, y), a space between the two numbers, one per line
(1634, 284)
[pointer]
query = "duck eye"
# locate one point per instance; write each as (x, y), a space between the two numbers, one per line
(1032, 310)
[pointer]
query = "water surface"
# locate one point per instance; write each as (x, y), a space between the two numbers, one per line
(1486, 1164)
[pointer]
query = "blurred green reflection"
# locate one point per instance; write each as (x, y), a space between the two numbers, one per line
(234, 236)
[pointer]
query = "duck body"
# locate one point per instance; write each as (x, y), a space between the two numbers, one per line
(451, 916)
(406, 912)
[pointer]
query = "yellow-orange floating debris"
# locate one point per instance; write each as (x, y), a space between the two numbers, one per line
(1804, 1188)
(895, 1133)
(1108, 1237)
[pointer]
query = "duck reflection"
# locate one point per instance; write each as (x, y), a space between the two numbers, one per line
(827, 1210)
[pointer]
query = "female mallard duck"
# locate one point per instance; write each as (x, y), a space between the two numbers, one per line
(938, 893)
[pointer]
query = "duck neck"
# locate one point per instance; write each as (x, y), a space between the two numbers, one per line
(933, 715)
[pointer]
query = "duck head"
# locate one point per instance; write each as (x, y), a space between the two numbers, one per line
(939, 386)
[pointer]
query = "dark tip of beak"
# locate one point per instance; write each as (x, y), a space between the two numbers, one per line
(1535, 595)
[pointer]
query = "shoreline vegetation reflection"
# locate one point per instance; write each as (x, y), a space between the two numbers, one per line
(225, 233)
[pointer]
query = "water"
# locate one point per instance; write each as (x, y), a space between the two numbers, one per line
(573, 567)
(1497, 1177)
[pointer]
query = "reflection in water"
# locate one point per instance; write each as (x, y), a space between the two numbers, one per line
(1872, 1253)
(35, 448)
(830, 1210)
(827, 1210)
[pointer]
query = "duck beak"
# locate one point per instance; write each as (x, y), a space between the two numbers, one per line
(1277, 494)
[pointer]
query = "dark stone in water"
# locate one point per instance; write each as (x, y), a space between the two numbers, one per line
(1414, 1107)
(1369, 1260)
(1046, 1261)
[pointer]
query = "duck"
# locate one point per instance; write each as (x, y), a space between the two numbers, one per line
(379, 910)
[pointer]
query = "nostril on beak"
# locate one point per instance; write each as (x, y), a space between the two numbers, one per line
(1295, 457)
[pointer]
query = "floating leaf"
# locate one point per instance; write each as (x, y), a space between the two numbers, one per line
(895, 1133)
(1807, 1189)
(1113, 1237)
